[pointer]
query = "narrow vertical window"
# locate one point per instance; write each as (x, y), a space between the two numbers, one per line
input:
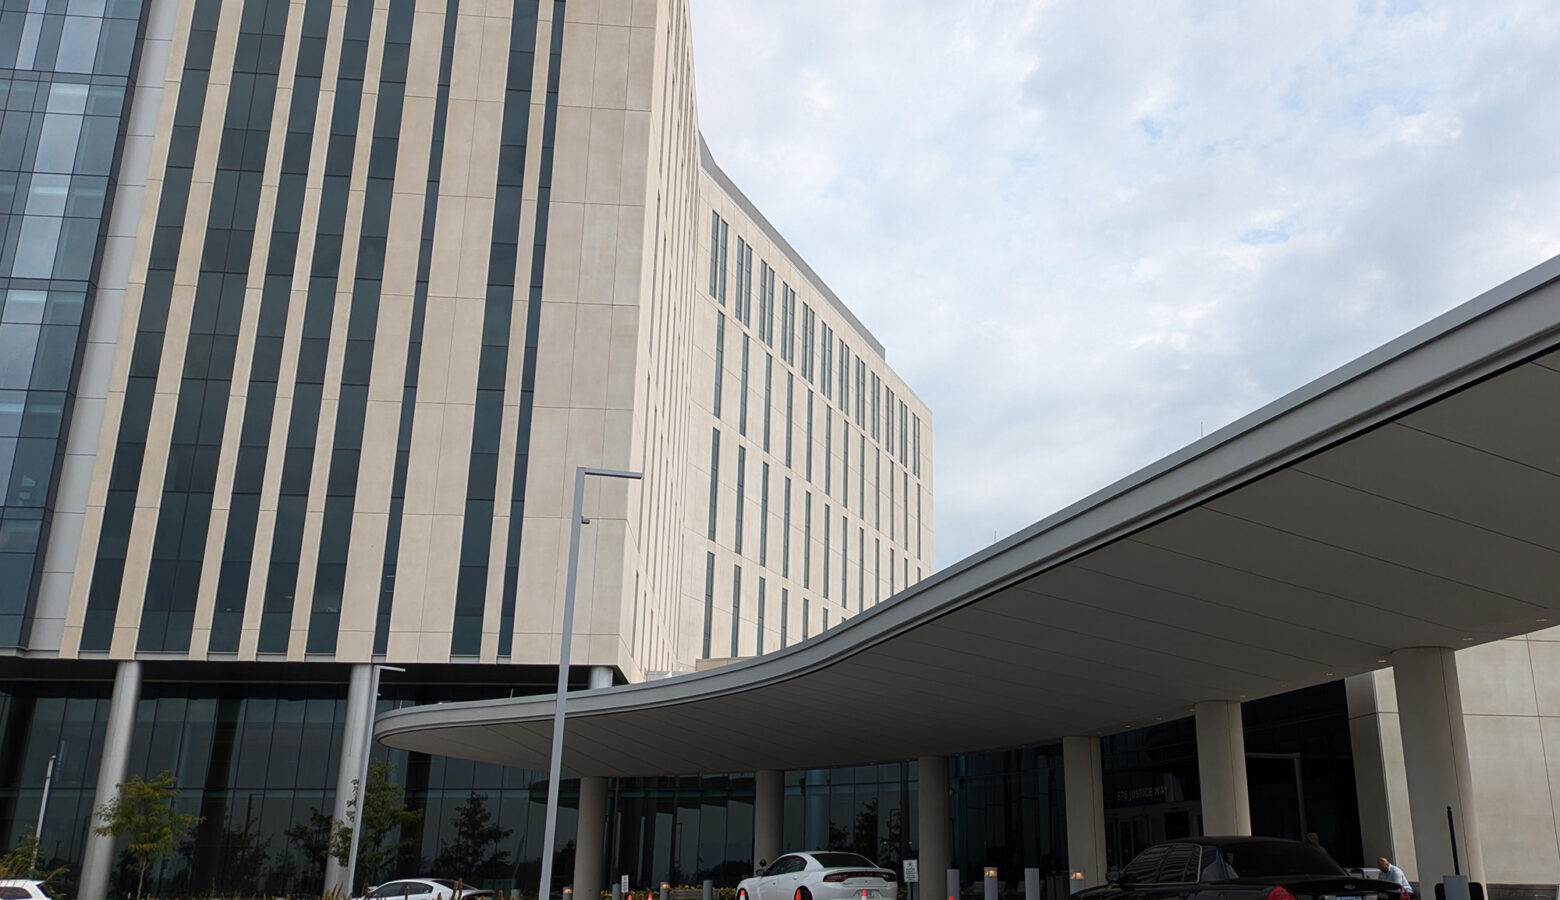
(891, 586)
(861, 393)
(826, 521)
(826, 362)
(723, 229)
(769, 377)
(785, 616)
(709, 599)
(807, 539)
(809, 435)
(845, 462)
(828, 450)
(861, 500)
(714, 478)
(904, 435)
(741, 479)
(915, 452)
(906, 533)
(736, 606)
(714, 254)
(877, 493)
(876, 390)
(920, 552)
(763, 518)
(806, 618)
(742, 398)
(877, 571)
(790, 400)
(890, 498)
(888, 416)
(861, 569)
(720, 358)
(785, 533)
(758, 632)
(844, 561)
(844, 398)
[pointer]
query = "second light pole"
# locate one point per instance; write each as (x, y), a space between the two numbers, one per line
(550, 831)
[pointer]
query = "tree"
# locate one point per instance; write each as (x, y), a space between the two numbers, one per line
(22, 861)
(143, 815)
(384, 812)
(473, 852)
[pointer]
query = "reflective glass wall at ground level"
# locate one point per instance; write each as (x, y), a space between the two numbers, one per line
(254, 749)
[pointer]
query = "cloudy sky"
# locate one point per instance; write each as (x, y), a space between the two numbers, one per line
(1087, 230)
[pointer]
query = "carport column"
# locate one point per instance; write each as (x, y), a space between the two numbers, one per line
(588, 842)
(1085, 790)
(1435, 761)
(349, 766)
(99, 855)
(932, 775)
(1221, 768)
(768, 814)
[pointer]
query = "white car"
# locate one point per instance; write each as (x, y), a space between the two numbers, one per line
(426, 889)
(22, 889)
(820, 875)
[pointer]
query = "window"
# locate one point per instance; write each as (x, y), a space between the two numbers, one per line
(790, 398)
(742, 398)
(741, 479)
(826, 521)
(769, 374)
(758, 632)
(785, 534)
(904, 434)
(861, 393)
(915, 450)
(806, 618)
(736, 606)
(809, 435)
(828, 450)
(785, 615)
(844, 397)
(709, 599)
(1145, 865)
(763, 519)
(888, 415)
(714, 479)
(720, 358)
(807, 539)
(877, 385)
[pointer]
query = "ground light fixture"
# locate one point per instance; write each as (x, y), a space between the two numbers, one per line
(550, 833)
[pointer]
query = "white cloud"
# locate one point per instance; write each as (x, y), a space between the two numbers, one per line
(1087, 230)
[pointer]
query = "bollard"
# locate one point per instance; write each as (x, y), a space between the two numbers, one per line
(990, 883)
(617, 891)
(709, 889)
(1076, 883)
(953, 884)
(1031, 884)
(665, 888)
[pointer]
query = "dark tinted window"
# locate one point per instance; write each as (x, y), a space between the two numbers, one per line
(1180, 864)
(1264, 859)
(1145, 866)
(8, 892)
(843, 861)
(787, 864)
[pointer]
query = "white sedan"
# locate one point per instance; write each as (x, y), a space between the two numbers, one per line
(426, 889)
(820, 875)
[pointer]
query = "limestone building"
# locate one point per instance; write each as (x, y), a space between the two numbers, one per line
(311, 308)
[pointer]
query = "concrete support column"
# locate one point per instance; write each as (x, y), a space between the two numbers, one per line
(815, 807)
(932, 778)
(350, 764)
(588, 843)
(99, 856)
(1221, 768)
(600, 677)
(768, 814)
(1085, 790)
(1435, 761)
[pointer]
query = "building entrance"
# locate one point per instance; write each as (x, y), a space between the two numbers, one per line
(1130, 830)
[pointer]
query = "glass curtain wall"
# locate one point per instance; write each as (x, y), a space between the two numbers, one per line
(66, 76)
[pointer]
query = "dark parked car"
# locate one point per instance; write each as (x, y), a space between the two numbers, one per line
(1239, 868)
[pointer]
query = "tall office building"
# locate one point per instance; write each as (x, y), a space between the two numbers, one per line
(311, 308)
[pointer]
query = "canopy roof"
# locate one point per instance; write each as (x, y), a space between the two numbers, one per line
(1407, 499)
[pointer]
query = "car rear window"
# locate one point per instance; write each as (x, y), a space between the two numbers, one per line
(843, 861)
(1259, 859)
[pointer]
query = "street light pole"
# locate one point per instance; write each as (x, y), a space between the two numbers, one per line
(43, 806)
(550, 833)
